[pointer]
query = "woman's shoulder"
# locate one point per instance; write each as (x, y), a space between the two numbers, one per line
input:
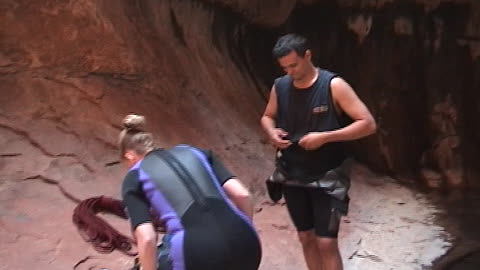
(130, 181)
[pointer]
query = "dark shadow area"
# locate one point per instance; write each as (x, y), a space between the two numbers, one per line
(419, 83)
(461, 218)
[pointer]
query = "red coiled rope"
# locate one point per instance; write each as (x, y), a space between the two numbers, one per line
(97, 231)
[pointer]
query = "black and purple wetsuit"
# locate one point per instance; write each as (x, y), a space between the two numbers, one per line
(205, 230)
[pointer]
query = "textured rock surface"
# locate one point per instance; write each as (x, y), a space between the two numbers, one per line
(200, 71)
(416, 66)
(69, 72)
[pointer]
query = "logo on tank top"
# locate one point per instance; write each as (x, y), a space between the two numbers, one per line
(320, 109)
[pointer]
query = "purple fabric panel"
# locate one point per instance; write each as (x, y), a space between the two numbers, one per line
(160, 203)
(166, 214)
(176, 251)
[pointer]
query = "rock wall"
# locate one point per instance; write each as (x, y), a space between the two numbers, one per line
(201, 71)
(70, 71)
(416, 65)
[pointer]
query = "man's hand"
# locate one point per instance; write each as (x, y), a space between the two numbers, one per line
(313, 140)
(276, 137)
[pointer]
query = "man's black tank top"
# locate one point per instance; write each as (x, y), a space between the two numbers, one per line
(301, 111)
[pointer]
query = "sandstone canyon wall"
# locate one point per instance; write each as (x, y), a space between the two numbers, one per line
(200, 71)
(416, 65)
(69, 72)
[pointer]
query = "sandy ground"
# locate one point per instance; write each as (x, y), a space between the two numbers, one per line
(388, 227)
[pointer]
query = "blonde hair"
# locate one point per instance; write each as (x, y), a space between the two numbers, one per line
(134, 137)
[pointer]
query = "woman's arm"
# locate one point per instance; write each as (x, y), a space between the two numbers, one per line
(138, 209)
(147, 246)
(235, 190)
(240, 196)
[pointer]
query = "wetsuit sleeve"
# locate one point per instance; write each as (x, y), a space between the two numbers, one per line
(138, 207)
(222, 173)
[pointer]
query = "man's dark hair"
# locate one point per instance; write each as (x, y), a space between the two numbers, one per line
(288, 43)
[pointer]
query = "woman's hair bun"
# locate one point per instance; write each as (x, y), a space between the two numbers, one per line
(134, 122)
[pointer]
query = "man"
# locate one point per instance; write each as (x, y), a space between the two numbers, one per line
(304, 121)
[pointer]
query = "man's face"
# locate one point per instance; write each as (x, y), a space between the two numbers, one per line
(295, 65)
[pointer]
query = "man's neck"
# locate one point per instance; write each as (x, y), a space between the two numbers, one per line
(308, 80)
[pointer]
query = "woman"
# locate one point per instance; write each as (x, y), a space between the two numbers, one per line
(192, 193)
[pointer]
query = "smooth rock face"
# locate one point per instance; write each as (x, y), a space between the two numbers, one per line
(266, 13)
(69, 73)
(200, 71)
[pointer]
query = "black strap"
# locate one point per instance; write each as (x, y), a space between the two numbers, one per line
(184, 175)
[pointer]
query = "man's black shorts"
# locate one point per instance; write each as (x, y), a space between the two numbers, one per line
(311, 208)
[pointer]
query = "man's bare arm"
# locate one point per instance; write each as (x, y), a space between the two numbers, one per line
(347, 101)
(268, 123)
